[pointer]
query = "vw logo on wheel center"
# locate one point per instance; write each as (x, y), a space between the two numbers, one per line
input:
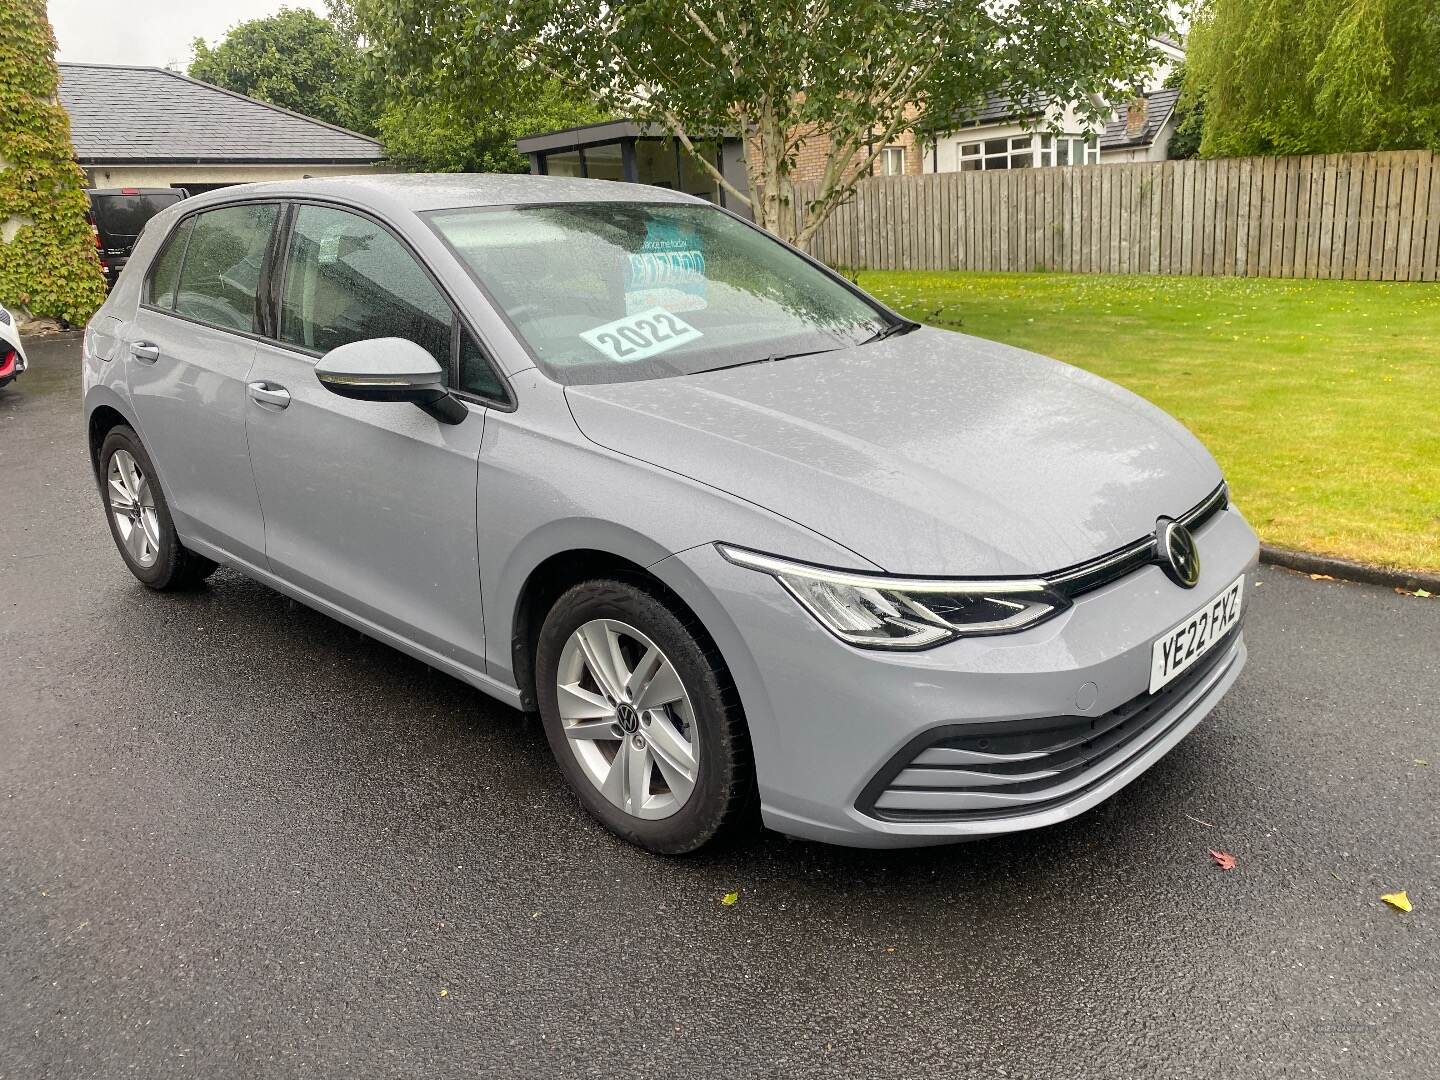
(1178, 556)
(629, 718)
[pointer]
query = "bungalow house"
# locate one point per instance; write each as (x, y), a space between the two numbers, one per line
(1009, 135)
(151, 127)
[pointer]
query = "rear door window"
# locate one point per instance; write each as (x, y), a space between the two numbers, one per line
(220, 279)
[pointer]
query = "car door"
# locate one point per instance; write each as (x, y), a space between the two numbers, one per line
(190, 349)
(369, 505)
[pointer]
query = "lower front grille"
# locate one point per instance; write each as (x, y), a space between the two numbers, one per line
(999, 769)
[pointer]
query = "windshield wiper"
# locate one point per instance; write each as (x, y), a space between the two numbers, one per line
(894, 329)
(768, 359)
(903, 326)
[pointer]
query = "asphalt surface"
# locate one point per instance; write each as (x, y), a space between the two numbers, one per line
(237, 839)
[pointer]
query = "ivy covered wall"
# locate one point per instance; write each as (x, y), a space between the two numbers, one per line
(48, 265)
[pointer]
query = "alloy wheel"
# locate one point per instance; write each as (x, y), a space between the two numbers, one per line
(628, 718)
(132, 505)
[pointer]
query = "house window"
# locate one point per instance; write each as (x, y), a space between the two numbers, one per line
(892, 161)
(1016, 152)
(1027, 151)
(1076, 150)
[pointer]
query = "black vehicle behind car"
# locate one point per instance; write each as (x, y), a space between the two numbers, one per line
(119, 214)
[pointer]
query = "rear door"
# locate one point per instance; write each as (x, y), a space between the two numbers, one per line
(370, 505)
(189, 354)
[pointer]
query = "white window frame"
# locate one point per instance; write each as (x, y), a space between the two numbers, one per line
(1040, 147)
(892, 161)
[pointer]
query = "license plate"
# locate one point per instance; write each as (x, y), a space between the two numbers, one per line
(1181, 646)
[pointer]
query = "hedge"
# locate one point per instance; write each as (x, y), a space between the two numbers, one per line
(48, 264)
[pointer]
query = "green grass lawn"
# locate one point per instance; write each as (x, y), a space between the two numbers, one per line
(1321, 399)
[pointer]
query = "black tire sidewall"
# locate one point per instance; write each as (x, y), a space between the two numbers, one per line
(166, 566)
(712, 802)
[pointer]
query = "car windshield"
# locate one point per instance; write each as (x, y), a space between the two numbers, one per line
(620, 292)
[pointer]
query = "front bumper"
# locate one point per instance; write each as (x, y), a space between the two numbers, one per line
(833, 727)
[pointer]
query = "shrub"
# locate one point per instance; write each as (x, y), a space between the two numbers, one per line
(48, 264)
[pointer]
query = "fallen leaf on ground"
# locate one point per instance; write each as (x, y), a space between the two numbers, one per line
(730, 899)
(1223, 859)
(1321, 577)
(1420, 761)
(444, 992)
(1398, 900)
(1423, 592)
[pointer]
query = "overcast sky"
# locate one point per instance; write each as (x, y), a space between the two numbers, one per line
(152, 32)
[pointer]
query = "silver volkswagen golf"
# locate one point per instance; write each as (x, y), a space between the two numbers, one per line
(742, 536)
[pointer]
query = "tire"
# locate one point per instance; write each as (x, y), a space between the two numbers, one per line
(157, 558)
(706, 718)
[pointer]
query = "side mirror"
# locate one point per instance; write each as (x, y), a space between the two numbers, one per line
(390, 369)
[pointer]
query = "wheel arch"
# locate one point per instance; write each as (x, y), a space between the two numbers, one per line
(556, 574)
(565, 553)
(101, 419)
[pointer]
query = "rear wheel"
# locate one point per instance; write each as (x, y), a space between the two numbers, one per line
(642, 718)
(139, 516)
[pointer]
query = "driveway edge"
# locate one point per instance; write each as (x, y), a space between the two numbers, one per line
(1306, 563)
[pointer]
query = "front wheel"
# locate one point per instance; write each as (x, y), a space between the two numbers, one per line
(139, 516)
(642, 718)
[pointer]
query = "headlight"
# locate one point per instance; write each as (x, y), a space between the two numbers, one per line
(876, 611)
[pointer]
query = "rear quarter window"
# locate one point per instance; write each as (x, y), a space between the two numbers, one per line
(165, 270)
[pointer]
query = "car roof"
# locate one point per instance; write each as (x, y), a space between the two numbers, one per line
(443, 191)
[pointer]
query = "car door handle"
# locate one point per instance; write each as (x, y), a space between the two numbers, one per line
(145, 350)
(270, 394)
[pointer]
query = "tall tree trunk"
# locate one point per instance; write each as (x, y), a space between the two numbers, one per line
(772, 193)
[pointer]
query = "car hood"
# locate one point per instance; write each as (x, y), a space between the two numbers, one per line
(928, 453)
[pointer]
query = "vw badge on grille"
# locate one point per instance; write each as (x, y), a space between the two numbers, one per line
(1176, 552)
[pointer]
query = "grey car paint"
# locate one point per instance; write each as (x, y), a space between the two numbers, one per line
(327, 467)
(930, 453)
(425, 536)
(186, 384)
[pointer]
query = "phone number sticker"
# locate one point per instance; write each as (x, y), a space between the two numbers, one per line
(641, 335)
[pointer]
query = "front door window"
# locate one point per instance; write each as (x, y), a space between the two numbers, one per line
(348, 279)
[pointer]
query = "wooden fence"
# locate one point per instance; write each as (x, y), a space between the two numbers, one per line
(1366, 216)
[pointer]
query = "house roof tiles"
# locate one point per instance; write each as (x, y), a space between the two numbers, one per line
(122, 115)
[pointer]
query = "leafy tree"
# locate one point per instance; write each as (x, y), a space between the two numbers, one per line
(847, 78)
(295, 59)
(1189, 118)
(318, 66)
(48, 264)
(429, 133)
(1316, 76)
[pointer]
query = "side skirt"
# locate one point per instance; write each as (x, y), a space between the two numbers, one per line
(509, 695)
